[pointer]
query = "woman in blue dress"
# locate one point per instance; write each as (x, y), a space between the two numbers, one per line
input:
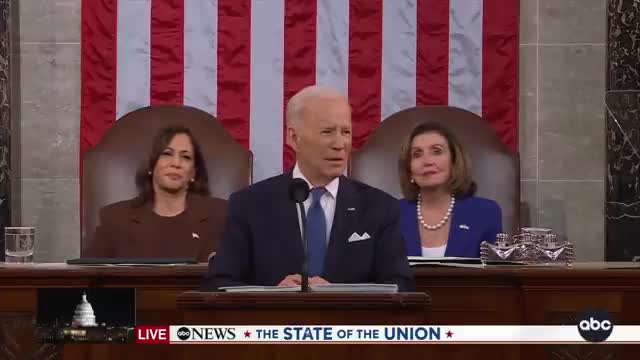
(440, 216)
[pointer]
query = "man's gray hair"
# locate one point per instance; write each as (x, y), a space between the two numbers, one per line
(300, 100)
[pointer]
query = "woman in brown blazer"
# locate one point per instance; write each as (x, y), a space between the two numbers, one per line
(173, 215)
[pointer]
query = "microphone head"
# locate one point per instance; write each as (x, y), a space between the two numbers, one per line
(298, 190)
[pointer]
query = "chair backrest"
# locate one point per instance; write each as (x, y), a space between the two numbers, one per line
(109, 168)
(495, 169)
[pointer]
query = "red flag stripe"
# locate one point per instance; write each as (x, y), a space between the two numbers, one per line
(432, 53)
(234, 67)
(299, 56)
(97, 71)
(167, 52)
(500, 69)
(98, 78)
(365, 66)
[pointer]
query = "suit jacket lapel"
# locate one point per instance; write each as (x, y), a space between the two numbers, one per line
(198, 214)
(138, 226)
(292, 238)
(454, 241)
(196, 210)
(141, 214)
(415, 247)
(343, 221)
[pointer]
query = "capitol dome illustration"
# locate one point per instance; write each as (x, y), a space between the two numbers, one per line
(84, 316)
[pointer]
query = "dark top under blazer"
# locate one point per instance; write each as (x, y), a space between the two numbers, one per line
(262, 243)
(126, 230)
(473, 220)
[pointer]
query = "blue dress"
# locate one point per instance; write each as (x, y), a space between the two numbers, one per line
(473, 220)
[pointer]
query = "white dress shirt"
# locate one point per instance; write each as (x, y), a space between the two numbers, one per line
(434, 252)
(327, 201)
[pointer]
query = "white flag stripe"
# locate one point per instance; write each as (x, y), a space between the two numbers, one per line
(267, 87)
(201, 54)
(465, 55)
(399, 37)
(332, 44)
(133, 56)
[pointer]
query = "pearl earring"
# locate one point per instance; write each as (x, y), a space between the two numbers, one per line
(413, 181)
(149, 172)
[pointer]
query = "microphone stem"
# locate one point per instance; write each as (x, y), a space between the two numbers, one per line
(305, 260)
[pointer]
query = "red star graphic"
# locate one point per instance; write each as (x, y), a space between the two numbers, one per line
(449, 334)
(247, 334)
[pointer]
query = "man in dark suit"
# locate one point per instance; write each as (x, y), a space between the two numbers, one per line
(353, 232)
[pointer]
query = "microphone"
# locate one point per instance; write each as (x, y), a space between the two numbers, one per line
(298, 193)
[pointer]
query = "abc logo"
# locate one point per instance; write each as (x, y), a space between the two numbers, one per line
(594, 326)
(184, 333)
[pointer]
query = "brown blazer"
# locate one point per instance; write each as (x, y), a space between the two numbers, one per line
(129, 231)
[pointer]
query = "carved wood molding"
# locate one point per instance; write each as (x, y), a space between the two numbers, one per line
(18, 339)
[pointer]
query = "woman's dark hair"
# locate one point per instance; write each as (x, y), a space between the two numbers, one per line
(144, 180)
(460, 184)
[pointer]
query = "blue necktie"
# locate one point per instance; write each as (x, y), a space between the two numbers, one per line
(316, 233)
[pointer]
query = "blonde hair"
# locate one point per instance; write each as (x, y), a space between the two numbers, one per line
(460, 183)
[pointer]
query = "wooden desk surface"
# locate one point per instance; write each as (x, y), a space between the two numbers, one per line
(301, 301)
(195, 273)
(46, 272)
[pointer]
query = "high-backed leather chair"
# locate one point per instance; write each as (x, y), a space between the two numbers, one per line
(495, 169)
(109, 168)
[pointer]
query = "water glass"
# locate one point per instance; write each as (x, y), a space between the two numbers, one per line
(19, 244)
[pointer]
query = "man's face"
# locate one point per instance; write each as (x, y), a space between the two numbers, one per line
(322, 139)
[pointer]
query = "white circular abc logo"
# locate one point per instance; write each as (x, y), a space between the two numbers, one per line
(595, 326)
(183, 333)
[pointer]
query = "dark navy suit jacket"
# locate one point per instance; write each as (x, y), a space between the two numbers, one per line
(473, 220)
(262, 243)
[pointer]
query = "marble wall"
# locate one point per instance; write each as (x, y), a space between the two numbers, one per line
(562, 131)
(623, 130)
(5, 118)
(562, 128)
(46, 151)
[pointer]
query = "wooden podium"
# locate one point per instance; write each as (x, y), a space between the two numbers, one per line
(202, 308)
(461, 296)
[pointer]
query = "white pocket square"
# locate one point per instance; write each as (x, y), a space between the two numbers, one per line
(195, 236)
(356, 237)
(463, 226)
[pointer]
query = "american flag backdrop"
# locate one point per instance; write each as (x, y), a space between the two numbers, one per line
(241, 60)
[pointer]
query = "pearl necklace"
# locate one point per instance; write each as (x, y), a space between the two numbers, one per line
(444, 219)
